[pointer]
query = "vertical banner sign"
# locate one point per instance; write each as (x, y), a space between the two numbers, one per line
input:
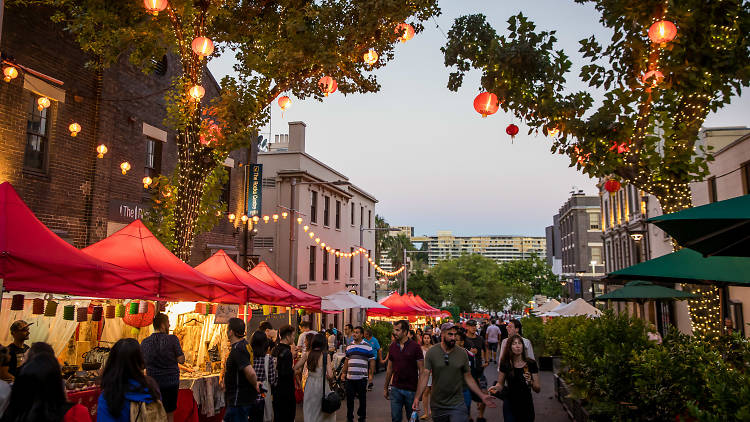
(577, 286)
(255, 190)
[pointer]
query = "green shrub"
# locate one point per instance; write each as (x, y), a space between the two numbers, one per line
(382, 330)
(557, 331)
(533, 329)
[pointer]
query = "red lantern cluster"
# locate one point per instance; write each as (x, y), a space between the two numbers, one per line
(662, 32)
(512, 130)
(612, 186)
(620, 147)
(328, 85)
(486, 104)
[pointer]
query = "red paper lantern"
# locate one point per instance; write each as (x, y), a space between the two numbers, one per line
(155, 6)
(612, 186)
(142, 319)
(662, 32)
(284, 103)
(202, 46)
(405, 32)
(328, 85)
(512, 130)
(652, 78)
(486, 104)
(619, 147)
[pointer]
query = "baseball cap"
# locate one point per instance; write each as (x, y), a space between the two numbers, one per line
(20, 325)
(447, 326)
(471, 322)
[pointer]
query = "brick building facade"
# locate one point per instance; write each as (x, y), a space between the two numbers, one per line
(79, 196)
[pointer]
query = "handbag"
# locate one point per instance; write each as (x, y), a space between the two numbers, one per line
(268, 413)
(147, 412)
(332, 401)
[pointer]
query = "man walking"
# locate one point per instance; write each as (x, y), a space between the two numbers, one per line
(405, 362)
(358, 369)
(375, 344)
(348, 330)
(476, 345)
(493, 338)
(284, 409)
(240, 380)
(514, 327)
(449, 366)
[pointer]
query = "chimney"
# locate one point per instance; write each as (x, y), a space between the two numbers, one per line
(297, 136)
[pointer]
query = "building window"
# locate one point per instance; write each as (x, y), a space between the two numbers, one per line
(313, 253)
(336, 265)
(37, 141)
(745, 169)
(596, 255)
(369, 267)
(326, 210)
(326, 257)
(153, 157)
(369, 219)
(314, 207)
(361, 216)
(352, 218)
(594, 221)
(351, 264)
(338, 214)
(226, 190)
(712, 196)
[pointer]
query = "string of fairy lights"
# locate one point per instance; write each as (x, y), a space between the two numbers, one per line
(315, 238)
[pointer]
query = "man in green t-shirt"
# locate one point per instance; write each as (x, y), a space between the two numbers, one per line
(449, 366)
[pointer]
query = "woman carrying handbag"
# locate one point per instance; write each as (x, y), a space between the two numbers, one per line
(316, 387)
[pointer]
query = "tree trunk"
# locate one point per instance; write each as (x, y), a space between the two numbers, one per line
(194, 165)
(705, 309)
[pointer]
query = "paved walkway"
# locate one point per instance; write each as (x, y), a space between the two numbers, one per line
(547, 408)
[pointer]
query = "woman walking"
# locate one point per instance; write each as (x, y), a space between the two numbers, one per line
(519, 375)
(38, 394)
(426, 341)
(124, 383)
(317, 381)
(260, 345)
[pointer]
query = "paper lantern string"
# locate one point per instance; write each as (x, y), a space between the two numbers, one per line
(120, 311)
(16, 303)
(133, 308)
(38, 307)
(51, 309)
(69, 312)
(110, 312)
(96, 314)
(82, 314)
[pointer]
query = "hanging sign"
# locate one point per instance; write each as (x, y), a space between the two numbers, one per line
(225, 312)
(255, 190)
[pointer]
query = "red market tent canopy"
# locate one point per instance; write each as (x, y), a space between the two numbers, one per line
(411, 300)
(135, 247)
(33, 259)
(398, 306)
(221, 267)
(419, 301)
(298, 298)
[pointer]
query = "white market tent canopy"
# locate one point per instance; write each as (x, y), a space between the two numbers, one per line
(578, 307)
(344, 300)
(547, 306)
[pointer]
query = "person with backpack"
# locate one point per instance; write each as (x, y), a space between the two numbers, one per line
(127, 393)
(264, 366)
(241, 387)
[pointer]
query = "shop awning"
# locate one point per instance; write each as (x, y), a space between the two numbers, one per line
(397, 306)
(135, 247)
(221, 267)
(689, 266)
(298, 298)
(33, 259)
(639, 290)
(344, 300)
(717, 229)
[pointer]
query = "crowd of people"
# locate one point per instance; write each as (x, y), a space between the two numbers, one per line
(439, 373)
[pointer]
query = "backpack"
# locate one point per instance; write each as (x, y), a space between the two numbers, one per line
(147, 412)
(268, 413)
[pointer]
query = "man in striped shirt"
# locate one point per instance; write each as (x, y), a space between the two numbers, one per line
(358, 367)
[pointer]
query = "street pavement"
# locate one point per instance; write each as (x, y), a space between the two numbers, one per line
(546, 407)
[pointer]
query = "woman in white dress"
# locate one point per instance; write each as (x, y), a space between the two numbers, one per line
(312, 360)
(426, 344)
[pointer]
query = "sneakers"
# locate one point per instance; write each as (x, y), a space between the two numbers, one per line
(369, 387)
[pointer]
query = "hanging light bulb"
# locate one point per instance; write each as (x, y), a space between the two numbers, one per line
(265, 219)
(243, 218)
(553, 131)
(74, 128)
(317, 240)
(231, 217)
(197, 92)
(323, 245)
(42, 103)
(202, 46)
(275, 218)
(371, 57)
(124, 166)
(299, 220)
(311, 234)
(256, 219)
(284, 215)
(101, 150)
(10, 73)
(147, 182)
(305, 228)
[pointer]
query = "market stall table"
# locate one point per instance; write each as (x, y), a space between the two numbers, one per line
(205, 394)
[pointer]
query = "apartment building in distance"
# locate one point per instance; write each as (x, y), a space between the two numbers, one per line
(330, 206)
(500, 248)
(629, 239)
(577, 231)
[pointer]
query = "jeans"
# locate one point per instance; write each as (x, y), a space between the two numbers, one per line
(458, 413)
(400, 400)
(467, 399)
(356, 389)
(238, 413)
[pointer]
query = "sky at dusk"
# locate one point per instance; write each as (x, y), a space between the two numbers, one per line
(429, 158)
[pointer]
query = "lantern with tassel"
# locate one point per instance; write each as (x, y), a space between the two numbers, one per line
(16, 304)
(37, 307)
(110, 312)
(328, 85)
(512, 130)
(96, 313)
(51, 309)
(486, 104)
(133, 308)
(82, 314)
(69, 312)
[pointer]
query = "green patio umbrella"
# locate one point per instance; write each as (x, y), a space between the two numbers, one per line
(717, 229)
(689, 266)
(644, 290)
